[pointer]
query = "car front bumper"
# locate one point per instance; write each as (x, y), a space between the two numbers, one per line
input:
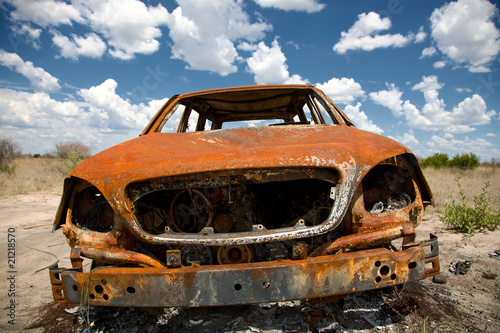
(198, 286)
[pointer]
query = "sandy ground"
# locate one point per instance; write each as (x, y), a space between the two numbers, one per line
(468, 302)
(36, 248)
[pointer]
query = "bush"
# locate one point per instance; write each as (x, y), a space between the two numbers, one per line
(72, 149)
(438, 160)
(469, 219)
(72, 153)
(68, 164)
(8, 150)
(441, 160)
(465, 161)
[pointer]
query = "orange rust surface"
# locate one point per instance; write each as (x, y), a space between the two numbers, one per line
(326, 276)
(382, 235)
(240, 148)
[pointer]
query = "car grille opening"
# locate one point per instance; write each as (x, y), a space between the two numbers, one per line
(235, 202)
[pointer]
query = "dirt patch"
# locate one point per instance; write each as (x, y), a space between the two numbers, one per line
(467, 302)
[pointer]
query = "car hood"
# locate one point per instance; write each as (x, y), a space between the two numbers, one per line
(169, 154)
(158, 155)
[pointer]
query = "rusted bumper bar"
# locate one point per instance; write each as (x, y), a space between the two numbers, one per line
(244, 283)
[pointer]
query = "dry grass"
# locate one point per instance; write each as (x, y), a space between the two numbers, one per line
(32, 175)
(445, 188)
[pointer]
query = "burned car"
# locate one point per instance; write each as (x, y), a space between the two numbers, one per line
(264, 193)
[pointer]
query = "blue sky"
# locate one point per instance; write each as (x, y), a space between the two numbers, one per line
(425, 73)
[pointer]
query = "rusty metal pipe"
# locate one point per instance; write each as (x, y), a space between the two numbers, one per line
(366, 239)
(120, 257)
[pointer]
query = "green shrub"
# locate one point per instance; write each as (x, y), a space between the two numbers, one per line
(465, 161)
(72, 154)
(467, 218)
(438, 160)
(68, 164)
(441, 160)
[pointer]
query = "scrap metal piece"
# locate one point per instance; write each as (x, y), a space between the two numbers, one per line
(460, 267)
(382, 235)
(118, 256)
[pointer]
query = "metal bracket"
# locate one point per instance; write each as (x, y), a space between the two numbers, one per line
(431, 256)
(76, 259)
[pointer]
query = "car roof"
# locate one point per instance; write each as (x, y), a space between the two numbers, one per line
(254, 102)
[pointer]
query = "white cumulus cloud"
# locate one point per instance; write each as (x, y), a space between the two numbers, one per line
(390, 98)
(90, 46)
(39, 78)
(420, 36)
(268, 64)
(204, 33)
(30, 34)
(472, 111)
(434, 116)
(346, 91)
(98, 116)
(109, 110)
(465, 32)
(363, 35)
(360, 119)
(343, 90)
(428, 51)
(45, 12)
(310, 6)
(439, 64)
(479, 146)
(428, 83)
(129, 26)
(24, 109)
(408, 139)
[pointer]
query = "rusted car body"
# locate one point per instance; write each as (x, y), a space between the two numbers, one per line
(264, 193)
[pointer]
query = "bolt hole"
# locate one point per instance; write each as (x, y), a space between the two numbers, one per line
(412, 265)
(99, 289)
(92, 296)
(105, 296)
(265, 285)
(393, 276)
(377, 263)
(103, 282)
(75, 287)
(237, 286)
(378, 279)
(131, 290)
(384, 270)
